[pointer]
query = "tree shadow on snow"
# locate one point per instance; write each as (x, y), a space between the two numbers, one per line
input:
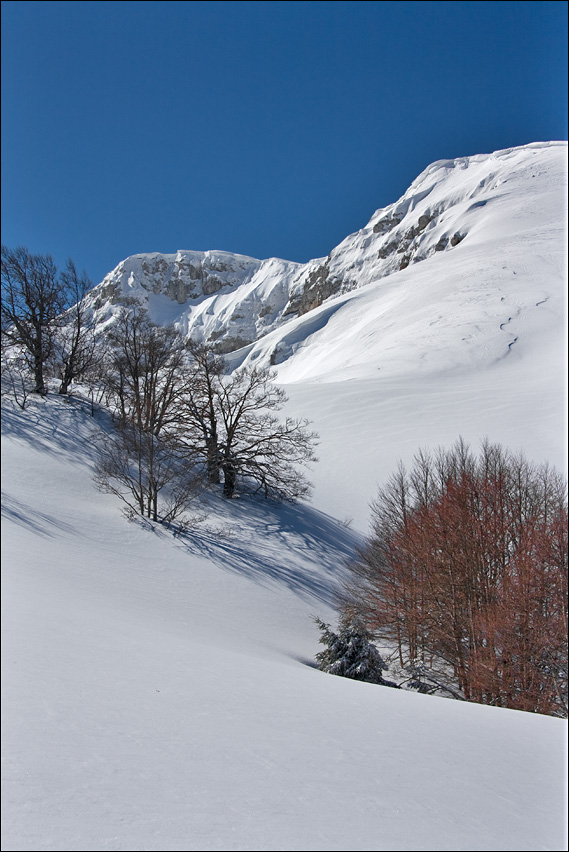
(293, 545)
(290, 544)
(53, 425)
(39, 523)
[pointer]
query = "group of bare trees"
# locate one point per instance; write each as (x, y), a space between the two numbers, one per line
(46, 330)
(466, 572)
(140, 460)
(234, 419)
(176, 411)
(181, 419)
(175, 408)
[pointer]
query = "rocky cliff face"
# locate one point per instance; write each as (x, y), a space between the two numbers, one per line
(231, 300)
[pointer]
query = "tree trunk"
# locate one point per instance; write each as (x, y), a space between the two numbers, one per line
(38, 376)
(66, 380)
(212, 459)
(229, 480)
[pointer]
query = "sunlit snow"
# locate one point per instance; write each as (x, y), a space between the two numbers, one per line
(159, 692)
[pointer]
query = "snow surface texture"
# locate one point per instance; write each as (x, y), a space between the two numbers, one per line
(157, 694)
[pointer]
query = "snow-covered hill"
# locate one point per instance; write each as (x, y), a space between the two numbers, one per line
(156, 689)
(156, 692)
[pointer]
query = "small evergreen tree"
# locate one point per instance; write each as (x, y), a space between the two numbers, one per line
(350, 652)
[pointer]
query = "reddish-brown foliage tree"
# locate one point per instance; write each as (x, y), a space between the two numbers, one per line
(466, 568)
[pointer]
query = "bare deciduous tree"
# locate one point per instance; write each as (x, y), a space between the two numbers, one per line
(144, 370)
(32, 298)
(143, 462)
(150, 475)
(44, 317)
(75, 337)
(235, 418)
(199, 411)
(16, 380)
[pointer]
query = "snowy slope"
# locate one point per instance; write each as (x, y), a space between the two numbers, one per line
(502, 285)
(470, 342)
(467, 339)
(156, 695)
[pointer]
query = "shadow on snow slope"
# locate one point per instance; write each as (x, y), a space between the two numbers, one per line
(24, 515)
(53, 425)
(292, 545)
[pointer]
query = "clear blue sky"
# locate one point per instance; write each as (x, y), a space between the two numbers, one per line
(265, 128)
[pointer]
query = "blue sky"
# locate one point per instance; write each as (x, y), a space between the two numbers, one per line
(264, 128)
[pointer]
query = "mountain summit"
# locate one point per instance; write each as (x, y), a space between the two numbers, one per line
(464, 225)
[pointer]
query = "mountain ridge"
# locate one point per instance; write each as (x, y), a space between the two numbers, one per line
(233, 301)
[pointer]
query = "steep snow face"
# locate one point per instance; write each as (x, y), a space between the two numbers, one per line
(450, 201)
(485, 277)
(465, 221)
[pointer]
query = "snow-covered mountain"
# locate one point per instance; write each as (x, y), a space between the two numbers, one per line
(467, 339)
(494, 205)
(156, 692)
